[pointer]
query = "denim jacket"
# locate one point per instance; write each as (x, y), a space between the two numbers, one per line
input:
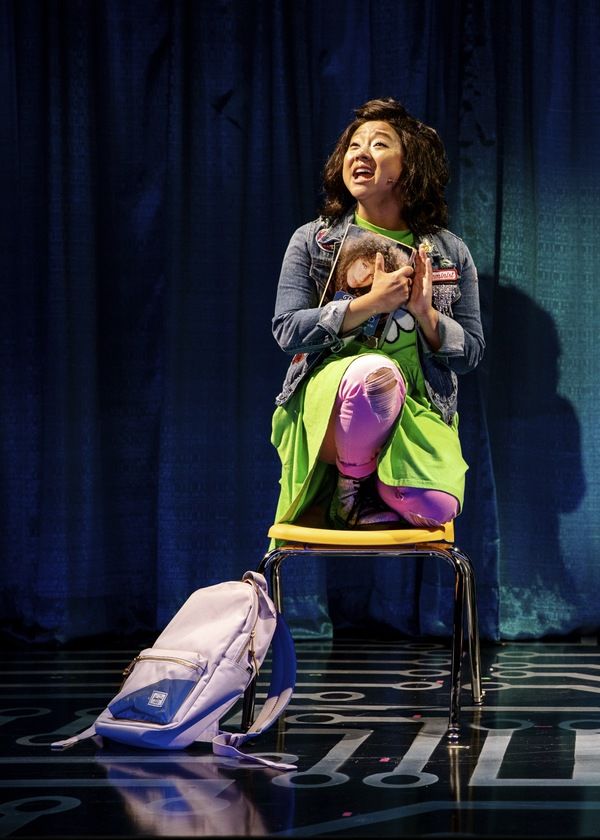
(309, 332)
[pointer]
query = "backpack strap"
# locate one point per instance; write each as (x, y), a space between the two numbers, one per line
(90, 732)
(283, 680)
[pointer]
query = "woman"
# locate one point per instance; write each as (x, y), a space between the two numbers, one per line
(374, 433)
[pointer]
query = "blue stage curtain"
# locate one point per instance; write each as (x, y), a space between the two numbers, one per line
(156, 156)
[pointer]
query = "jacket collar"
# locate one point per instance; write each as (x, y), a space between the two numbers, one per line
(330, 233)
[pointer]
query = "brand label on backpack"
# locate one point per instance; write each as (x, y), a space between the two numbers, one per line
(157, 698)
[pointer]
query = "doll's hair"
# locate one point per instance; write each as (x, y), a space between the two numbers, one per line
(366, 248)
(424, 172)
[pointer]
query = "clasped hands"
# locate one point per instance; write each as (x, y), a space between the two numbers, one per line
(407, 287)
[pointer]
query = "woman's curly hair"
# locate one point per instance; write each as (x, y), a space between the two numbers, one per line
(424, 168)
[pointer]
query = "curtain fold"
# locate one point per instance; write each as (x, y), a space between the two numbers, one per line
(542, 403)
(157, 155)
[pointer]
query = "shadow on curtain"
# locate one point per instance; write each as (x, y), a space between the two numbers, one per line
(540, 474)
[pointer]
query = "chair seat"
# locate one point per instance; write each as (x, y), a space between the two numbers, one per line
(357, 537)
(311, 529)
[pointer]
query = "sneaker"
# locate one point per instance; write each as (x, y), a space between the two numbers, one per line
(357, 504)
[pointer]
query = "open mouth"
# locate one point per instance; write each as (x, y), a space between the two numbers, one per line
(362, 173)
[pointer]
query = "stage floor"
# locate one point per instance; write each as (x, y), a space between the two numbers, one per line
(366, 727)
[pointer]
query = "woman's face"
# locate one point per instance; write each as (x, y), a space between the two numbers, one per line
(373, 161)
(360, 273)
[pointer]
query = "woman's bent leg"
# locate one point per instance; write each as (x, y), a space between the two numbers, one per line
(369, 400)
(421, 507)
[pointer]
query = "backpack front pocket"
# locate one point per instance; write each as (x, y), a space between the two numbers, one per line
(157, 685)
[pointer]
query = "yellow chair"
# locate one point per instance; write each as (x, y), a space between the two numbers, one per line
(307, 539)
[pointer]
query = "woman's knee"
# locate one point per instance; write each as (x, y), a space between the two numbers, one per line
(378, 380)
(420, 507)
(370, 398)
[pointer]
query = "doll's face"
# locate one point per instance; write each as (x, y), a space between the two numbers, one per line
(360, 273)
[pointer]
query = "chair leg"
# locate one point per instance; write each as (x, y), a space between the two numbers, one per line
(248, 707)
(277, 594)
(457, 654)
(474, 648)
(269, 565)
(472, 625)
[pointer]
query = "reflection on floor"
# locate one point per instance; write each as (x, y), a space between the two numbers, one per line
(366, 728)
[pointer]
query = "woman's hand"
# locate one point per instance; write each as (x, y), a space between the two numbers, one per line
(388, 292)
(422, 285)
(420, 302)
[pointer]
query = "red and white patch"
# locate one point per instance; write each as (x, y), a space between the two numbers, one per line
(324, 246)
(445, 275)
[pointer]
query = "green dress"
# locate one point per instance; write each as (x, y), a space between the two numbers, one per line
(421, 451)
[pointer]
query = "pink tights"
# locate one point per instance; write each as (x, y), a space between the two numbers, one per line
(369, 400)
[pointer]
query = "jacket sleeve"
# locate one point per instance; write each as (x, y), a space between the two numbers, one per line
(462, 337)
(299, 324)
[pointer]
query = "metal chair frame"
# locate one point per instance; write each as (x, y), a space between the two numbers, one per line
(443, 549)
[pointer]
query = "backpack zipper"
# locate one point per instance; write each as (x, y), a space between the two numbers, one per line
(249, 646)
(251, 651)
(185, 662)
